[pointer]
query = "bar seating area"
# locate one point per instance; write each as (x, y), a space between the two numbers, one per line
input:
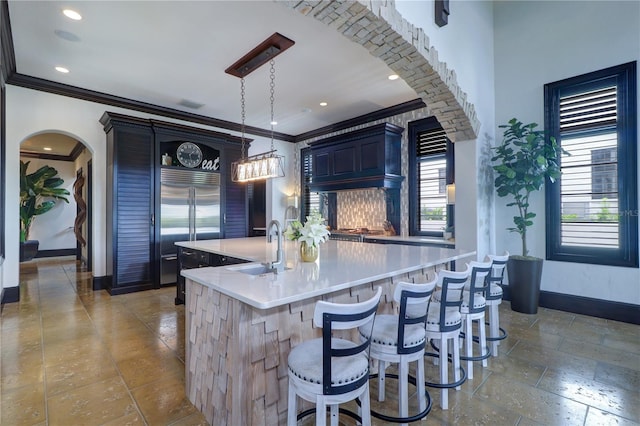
(132, 346)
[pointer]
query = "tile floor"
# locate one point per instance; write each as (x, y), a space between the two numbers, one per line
(72, 356)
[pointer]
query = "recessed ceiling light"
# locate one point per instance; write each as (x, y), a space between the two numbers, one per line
(62, 70)
(323, 104)
(72, 14)
(46, 148)
(393, 77)
(274, 123)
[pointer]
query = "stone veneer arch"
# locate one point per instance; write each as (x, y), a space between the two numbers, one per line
(379, 27)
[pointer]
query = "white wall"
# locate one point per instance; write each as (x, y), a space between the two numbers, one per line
(465, 44)
(30, 112)
(542, 42)
(54, 229)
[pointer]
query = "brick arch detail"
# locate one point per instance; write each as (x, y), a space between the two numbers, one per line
(381, 29)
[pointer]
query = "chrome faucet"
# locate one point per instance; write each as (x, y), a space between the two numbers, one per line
(278, 265)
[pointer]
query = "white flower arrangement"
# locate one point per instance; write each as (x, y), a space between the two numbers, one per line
(313, 232)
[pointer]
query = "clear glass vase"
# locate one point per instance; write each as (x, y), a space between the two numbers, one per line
(308, 253)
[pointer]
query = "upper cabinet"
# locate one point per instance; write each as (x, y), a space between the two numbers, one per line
(366, 158)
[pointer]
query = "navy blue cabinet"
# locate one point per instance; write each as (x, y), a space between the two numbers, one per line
(135, 148)
(366, 158)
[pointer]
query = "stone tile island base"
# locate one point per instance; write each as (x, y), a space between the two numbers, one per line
(236, 355)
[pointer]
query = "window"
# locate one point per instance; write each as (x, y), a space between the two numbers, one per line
(429, 172)
(592, 210)
(604, 176)
(310, 200)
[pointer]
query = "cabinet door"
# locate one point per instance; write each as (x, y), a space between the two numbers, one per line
(235, 208)
(133, 227)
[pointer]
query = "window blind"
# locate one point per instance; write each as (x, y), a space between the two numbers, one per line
(589, 183)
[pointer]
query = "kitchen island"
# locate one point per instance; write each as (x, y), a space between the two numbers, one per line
(241, 324)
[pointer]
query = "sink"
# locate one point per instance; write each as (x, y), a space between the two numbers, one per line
(252, 269)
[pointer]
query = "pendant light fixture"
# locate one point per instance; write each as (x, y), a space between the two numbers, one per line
(267, 164)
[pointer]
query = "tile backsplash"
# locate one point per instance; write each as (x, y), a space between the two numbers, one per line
(361, 208)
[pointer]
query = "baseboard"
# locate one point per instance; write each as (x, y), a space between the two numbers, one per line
(56, 253)
(617, 311)
(114, 291)
(101, 283)
(10, 294)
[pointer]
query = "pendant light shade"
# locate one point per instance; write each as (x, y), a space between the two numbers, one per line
(269, 164)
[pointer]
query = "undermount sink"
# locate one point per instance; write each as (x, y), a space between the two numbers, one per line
(253, 269)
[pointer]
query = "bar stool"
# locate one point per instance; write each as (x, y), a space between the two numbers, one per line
(494, 298)
(472, 309)
(401, 339)
(331, 370)
(444, 323)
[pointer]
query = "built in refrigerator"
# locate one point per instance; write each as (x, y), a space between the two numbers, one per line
(189, 211)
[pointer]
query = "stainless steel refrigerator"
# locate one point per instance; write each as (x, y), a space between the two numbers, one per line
(189, 211)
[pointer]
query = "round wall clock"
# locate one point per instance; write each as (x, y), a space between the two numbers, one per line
(189, 154)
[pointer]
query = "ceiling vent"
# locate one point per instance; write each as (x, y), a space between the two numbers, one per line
(190, 104)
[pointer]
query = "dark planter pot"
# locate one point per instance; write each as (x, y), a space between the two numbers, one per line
(524, 283)
(28, 250)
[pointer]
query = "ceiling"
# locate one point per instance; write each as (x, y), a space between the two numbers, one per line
(50, 144)
(166, 53)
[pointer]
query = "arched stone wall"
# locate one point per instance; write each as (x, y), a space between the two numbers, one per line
(379, 27)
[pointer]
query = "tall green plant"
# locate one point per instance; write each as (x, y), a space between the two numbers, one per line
(34, 188)
(522, 162)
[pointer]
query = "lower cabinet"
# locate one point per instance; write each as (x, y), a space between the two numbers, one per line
(191, 259)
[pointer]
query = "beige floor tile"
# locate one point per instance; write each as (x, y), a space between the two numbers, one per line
(597, 417)
(535, 336)
(145, 367)
(23, 406)
(93, 404)
(569, 362)
(163, 401)
(622, 342)
(599, 352)
(473, 411)
(605, 397)
(195, 419)
(80, 372)
(63, 351)
(535, 404)
(133, 419)
(621, 377)
(21, 371)
(517, 369)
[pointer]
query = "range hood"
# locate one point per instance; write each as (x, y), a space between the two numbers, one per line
(366, 158)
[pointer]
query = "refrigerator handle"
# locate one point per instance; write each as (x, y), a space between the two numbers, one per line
(195, 229)
(192, 214)
(153, 219)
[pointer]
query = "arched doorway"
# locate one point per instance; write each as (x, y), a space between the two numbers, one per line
(65, 229)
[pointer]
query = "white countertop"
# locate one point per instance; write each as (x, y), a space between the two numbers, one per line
(341, 265)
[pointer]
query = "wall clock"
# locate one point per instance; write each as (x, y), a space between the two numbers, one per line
(189, 154)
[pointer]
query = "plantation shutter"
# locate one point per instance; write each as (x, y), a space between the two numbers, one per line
(589, 183)
(431, 149)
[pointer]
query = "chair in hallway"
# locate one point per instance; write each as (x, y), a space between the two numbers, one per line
(444, 323)
(400, 339)
(332, 370)
(493, 297)
(472, 309)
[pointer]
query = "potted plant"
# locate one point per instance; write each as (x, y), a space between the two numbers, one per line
(311, 234)
(35, 188)
(523, 162)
